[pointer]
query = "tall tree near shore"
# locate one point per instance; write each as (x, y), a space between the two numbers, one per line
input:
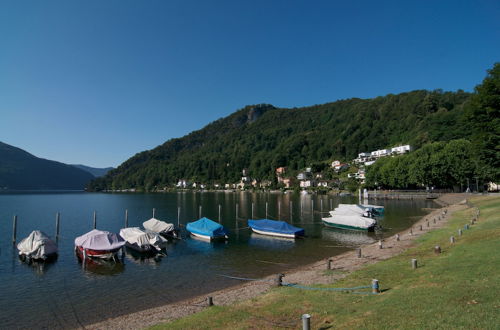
(483, 117)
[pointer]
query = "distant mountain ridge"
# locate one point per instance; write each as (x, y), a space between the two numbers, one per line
(95, 171)
(20, 170)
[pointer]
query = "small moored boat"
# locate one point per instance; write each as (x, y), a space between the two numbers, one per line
(98, 244)
(356, 222)
(143, 241)
(161, 227)
(275, 228)
(37, 246)
(206, 229)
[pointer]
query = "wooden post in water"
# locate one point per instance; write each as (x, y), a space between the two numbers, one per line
(126, 218)
(95, 219)
(266, 210)
(14, 229)
(312, 206)
(219, 212)
(331, 207)
(279, 210)
(375, 286)
(154, 212)
(306, 322)
(199, 211)
(252, 210)
(58, 219)
(414, 264)
(321, 204)
(236, 212)
(291, 211)
(178, 216)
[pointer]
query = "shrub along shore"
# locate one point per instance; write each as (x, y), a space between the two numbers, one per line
(456, 288)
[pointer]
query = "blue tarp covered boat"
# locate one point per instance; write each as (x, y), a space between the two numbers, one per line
(275, 228)
(206, 229)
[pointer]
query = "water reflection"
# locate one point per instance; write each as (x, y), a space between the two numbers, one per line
(346, 237)
(101, 266)
(144, 258)
(40, 267)
(271, 243)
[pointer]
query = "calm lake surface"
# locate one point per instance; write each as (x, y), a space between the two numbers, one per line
(64, 294)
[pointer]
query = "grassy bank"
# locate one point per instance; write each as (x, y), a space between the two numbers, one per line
(458, 288)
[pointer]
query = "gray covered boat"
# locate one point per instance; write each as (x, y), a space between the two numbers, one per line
(37, 246)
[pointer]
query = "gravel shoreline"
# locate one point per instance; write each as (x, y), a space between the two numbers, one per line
(308, 274)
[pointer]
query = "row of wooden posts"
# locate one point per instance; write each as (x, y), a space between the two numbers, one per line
(94, 217)
(306, 318)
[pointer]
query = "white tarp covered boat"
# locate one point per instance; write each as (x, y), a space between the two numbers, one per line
(160, 227)
(37, 246)
(143, 241)
(354, 221)
(99, 244)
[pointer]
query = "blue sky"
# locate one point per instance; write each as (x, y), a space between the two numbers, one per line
(95, 82)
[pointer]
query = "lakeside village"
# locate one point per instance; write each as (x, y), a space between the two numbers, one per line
(337, 176)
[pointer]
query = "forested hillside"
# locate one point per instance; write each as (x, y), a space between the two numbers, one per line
(261, 138)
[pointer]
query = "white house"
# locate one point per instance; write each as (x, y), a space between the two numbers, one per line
(380, 153)
(307, 183)
(401, 149)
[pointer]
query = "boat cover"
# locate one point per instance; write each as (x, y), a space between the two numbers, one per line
(141, 238)
(207, 227)
(275, 227)
(100, 240)
(37, 245)
(351, 221)
(158, 226)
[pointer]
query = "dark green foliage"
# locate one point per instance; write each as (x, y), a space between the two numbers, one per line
(20, 170)
(262, 138)
(438, 164)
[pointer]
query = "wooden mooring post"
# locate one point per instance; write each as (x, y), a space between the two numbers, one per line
(58, 219)
(279, 279)
(414, 264)
(14, 229)
(358, 252)
(126, 218)
(236, 211)
(95, 219)
(252, 210)
(199, 211)
(306, 321)
(154, 212)
(178, 216)
(375, 286)
(452, 239)
(210, 301)
(279, 210)
(219, 212)
(266, 210)
(329, 264)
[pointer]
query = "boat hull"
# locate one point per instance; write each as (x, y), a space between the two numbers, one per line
(208, 238)
(105, 254)
(342, 226)
(270, 233)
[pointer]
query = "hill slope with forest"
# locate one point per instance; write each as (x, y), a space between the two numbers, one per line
(262, 137)
(20, 170)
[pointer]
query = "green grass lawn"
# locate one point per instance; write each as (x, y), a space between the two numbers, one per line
(458, 289)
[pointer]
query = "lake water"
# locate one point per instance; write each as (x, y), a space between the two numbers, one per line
(64, 294)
